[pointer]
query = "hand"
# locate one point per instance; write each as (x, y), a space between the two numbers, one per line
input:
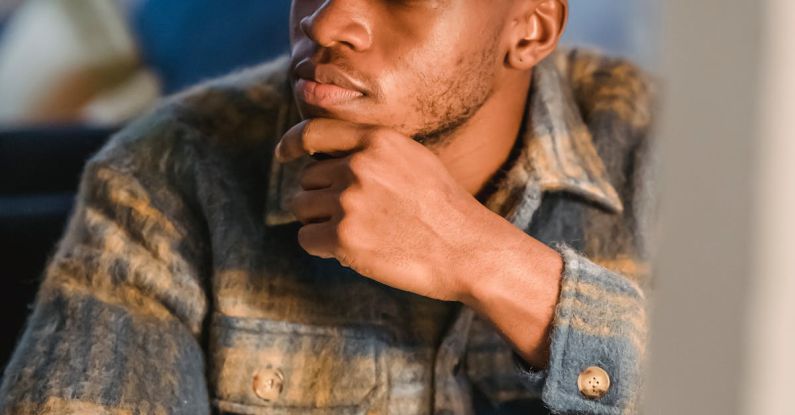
(383, 205)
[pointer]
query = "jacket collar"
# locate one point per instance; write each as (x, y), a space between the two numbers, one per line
(557, 154)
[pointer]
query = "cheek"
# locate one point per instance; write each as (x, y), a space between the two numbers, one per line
(402, 90)
(421, 75)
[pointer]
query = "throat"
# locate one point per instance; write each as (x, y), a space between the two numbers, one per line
(493, 182)
(486, 147)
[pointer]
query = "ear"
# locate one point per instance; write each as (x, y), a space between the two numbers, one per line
(535, 31)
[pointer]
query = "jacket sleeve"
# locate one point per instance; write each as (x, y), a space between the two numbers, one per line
(116, 323)
(600, 321)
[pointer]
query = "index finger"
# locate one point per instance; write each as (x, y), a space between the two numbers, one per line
(319, 135)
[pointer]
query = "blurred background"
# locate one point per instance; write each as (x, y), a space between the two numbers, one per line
(73, 72)
(104, 61)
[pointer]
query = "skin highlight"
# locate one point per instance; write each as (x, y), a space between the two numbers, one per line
(419, 103)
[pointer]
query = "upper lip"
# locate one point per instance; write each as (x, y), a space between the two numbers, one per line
(328, 74)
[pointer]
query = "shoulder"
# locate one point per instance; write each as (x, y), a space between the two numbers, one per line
(230, 120)
(206, 147)
(607, 86)
(618, 101)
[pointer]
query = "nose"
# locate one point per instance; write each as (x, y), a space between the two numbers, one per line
(337, 23)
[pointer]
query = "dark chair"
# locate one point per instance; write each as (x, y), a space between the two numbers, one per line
(39, 171)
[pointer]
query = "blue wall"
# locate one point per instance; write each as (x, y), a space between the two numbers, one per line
(622, 27)
(186, 41)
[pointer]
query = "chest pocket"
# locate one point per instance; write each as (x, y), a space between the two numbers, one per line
(263, 366)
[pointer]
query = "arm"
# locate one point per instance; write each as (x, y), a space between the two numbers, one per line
(600, 316)
(562, 312)
(563, 321)
(116, 323)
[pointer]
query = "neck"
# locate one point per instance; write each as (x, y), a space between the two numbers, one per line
(475, 152)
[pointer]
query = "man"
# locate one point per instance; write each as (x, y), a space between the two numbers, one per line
(452, 218)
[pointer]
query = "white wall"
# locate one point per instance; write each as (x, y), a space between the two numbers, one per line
(723, 318)
(770, 380)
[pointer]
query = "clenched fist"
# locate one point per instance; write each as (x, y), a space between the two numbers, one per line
(383, 205)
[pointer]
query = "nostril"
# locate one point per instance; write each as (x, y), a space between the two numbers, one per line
(315, 27)
(306, 25)
(337, 24)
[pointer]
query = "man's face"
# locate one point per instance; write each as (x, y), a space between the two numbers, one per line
(421, 67)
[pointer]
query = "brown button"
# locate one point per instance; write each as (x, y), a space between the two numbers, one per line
(593, 382)
(268, 384)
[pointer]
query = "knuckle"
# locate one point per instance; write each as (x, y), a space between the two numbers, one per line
(354, 181)
(344, 233)
(304, 140)
(343, 259)
(357, 163)
(347, 201)
(303, 238)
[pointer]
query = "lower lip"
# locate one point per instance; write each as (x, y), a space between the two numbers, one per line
(324, 95)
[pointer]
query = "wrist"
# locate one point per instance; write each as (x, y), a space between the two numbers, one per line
(514, 281)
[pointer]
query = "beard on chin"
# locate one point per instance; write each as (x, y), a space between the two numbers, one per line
(440, 137)
(439, 134)
(453, 100)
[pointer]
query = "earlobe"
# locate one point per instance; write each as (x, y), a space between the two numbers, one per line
(537, 33)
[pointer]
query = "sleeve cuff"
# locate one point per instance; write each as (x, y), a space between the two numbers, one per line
(600, 321)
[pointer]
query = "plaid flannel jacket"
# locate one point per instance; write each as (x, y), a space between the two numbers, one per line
(179, 286)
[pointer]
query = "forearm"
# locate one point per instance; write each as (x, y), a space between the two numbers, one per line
(591, 320)
(515, 284)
